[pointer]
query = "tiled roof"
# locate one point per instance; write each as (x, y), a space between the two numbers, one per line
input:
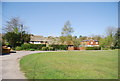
(38, 38)
(90, 40)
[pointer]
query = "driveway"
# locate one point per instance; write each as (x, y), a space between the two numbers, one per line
(10, 65)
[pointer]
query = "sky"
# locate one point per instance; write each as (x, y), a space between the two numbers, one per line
(48, 18)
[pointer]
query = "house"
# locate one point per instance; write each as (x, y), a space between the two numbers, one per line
(84, 44)
(90, 43)
(36, 39)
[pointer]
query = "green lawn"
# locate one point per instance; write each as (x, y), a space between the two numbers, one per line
(71, 65)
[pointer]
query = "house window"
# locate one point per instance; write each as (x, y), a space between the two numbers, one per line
(91, 42)
(96, 42)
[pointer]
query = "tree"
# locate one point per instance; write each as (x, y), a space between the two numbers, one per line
(69, 40)
(108, 41)
(24, 37)
(62, 39)
(67, 29)
(12, 38)
(117, 39)
(110, 31)
(80, 36)
(14, 25)
(15, 33)
(66, 37)
(102, 42)
(96, 37)
(83, 38)
(76, 41)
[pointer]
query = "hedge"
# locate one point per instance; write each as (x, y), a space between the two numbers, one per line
(47, 48)
(114, 47)
(28, 46)
(93, 48)
(18, 48)
(59, 47)
(32, 46)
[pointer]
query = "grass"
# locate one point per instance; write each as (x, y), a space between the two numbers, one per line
(71, 65)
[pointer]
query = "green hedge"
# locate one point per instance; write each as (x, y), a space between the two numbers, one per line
(105, 48)
(41, 47)
(114, 47)
(47, 48)
(32, 46)
(93, 48)
(59, 47)
(18, 48)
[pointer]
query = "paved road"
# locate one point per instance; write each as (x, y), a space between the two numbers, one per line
(10, 65)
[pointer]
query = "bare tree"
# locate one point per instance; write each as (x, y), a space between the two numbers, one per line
(111, 31)
(14, 25)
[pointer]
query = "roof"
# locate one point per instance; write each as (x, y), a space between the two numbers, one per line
(89, 40)
(49, 39)
(38, 38)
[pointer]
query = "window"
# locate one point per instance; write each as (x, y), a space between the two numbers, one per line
(96, 42)
(91, 42)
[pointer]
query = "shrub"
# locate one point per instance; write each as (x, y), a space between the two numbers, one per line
(105, 48)
(32, 49)
(93, 48)
(59, 47)
(112, 48)
(18, 48)
(32, 46)
(50, 48)
(47, 48)
(44, 48)
(26, 46)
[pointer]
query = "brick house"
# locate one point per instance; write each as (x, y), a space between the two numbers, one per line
(90, 43)
(84, 44)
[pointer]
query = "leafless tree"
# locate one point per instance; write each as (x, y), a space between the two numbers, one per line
(14, 25)
(110, 31)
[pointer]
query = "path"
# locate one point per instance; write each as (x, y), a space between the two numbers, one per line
(10, 65)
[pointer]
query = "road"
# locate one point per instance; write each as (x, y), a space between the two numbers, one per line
(9, 64)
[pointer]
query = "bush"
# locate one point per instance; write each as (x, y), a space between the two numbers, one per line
(32, 46)
(59, 47)
(93, 48)
(18, 48)
(26, 46)
(114, 48)
(47, 48)
(44, 48)
(50, 48)
(32, 49)
(105, 48)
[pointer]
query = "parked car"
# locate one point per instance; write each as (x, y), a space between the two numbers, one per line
(5, 49)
